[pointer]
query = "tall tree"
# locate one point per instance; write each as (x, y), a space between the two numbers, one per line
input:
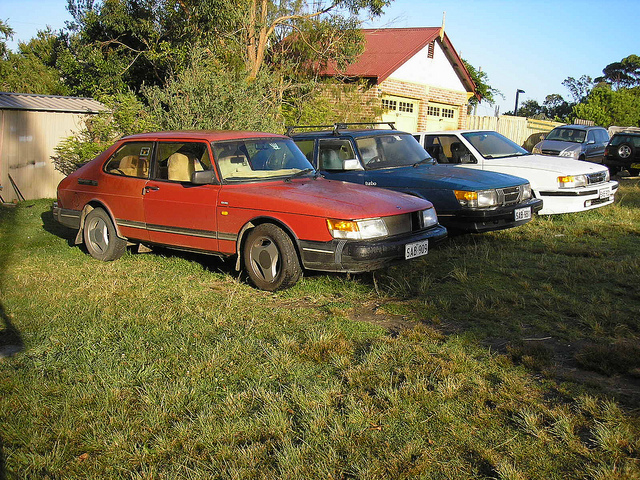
(6, 33)
(579, 88)
(264, 18)
(622, 74)
(484, 91)
(557, 108)
(607, 107)
(116, 45)
(32, 69)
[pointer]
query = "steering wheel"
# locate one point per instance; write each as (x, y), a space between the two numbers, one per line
(375, 159)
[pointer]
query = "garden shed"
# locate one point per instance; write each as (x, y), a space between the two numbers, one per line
(30, 127)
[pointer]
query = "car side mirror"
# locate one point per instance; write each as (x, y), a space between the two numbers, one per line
(204, 177)
(352, 164)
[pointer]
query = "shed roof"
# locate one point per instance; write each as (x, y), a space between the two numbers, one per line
(49, 103)
(386, 49)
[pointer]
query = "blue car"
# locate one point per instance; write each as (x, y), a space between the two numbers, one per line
(466, 200)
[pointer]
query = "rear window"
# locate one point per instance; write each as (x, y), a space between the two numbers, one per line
(633, 139)
(131, 160)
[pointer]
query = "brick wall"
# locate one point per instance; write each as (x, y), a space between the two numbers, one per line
(424, 94)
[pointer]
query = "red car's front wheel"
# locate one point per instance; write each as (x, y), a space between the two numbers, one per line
(270, 259)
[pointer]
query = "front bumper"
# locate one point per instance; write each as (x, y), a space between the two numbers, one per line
(577, 199)
(486, 220)
(363, 255)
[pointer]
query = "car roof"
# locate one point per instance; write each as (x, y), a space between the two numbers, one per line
(580, 127)
(457, 132)
(208, 135)
(634, 134)
(355, 133)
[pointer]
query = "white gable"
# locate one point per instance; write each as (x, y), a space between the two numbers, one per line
(436, 71)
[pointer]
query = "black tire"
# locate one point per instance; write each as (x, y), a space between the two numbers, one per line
(624, 151)
(270, 258)
(100, 236)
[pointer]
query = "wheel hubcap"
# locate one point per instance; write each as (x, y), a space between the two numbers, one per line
(99, 235)
(624, 151)
(264, 258)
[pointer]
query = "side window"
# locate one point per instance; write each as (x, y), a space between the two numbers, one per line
(331, 153)
(591, 136)
(452, 150)
(306, 146)
(176, 162)
(369, 150)
(432, 145)
(604, 136)
(131, 160)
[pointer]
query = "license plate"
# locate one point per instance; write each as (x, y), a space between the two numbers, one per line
(522, 213)
(605, 193)
(416, 249)
(635, 165)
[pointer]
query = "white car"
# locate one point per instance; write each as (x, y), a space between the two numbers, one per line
(565, 185)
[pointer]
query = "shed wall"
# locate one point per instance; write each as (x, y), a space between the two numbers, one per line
(27, 140)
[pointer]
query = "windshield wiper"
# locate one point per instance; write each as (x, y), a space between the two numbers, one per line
(423, 161)
(298, 174)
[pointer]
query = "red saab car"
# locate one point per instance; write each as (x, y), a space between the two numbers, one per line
(249, 194)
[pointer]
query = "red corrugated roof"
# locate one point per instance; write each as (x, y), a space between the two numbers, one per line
(386, 49)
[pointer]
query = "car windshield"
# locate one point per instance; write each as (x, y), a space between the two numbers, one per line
(493, 145)
(256, 159)
(567, 135)
(391, 150)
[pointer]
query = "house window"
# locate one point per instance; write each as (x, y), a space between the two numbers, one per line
(431, 49)
(389, 104)
(448, 113)
(433, 111)
(406, 107)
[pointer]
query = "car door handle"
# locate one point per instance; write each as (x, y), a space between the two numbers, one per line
(149, 187)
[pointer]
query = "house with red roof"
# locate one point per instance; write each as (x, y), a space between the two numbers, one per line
(418, 76)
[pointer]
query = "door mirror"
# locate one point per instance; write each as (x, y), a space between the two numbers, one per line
(204, 177)
(351, 164)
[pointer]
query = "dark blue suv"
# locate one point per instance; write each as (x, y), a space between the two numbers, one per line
(466, 200)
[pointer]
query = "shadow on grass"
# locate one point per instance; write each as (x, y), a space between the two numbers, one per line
(52, 226)
(10, 338)
(10, 344)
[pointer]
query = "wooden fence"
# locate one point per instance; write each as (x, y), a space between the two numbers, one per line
(524, 131)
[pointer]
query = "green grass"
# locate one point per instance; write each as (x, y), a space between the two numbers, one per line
(510, 355)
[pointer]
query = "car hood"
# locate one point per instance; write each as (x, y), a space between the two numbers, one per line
(321, 198)
(559, 145)
(520, 165)
(441, 177)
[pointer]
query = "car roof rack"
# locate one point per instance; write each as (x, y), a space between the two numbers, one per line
(338, 126)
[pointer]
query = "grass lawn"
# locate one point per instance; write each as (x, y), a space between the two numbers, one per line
(510, 355)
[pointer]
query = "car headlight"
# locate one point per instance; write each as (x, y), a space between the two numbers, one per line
(429, 217)
(607, 175)
(357, 229)
(526, 191)
(570, 153)
(481, 198)
(572, 181)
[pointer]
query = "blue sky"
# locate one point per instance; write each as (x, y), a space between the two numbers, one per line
(532, 45)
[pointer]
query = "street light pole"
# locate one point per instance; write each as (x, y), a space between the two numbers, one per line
(515, 110)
